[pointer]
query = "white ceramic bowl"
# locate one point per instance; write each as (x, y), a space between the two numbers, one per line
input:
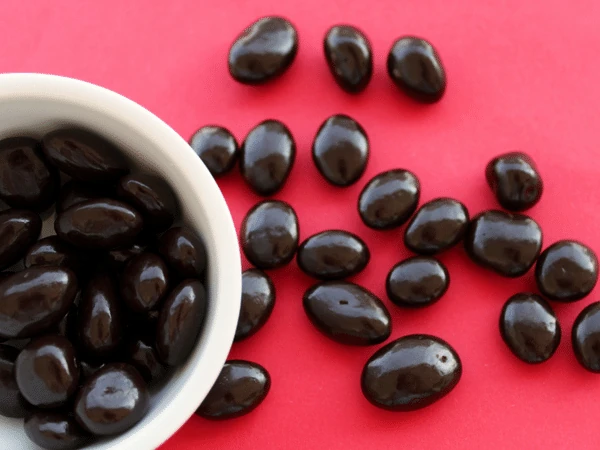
(32, 104)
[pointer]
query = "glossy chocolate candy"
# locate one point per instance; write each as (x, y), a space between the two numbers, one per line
(26, 179)
(55, 430)
(180, 321)
(112, 400)
(51, 251)
(12, 403)
(101, 224)
(529, 328)
(506, 243)
(347, 313)
(566, 271)
(240, 388)
(437, 226)
(216, 147)
(332, 255)
(258, 300)
(415, 67)
(47, 372)
(84, 156)
(411, 373)
(19, 229)
(341, 150)
(585, 337)
(142, 356)
(144, 282)
(417, 281)
(100, 317)
(152, 197)
(389, 199)
(73, 193)
(514, 179)
(349, 57)
(269, 234)
(267, 157)
(34, 300)
(184, 252)
(263, 51)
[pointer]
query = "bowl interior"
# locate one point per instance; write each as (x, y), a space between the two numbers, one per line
(32, 104)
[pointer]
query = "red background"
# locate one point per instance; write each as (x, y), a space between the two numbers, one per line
(521, 75)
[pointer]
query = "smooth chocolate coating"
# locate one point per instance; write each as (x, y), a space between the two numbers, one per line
(184, 252)
(349, 57)
(144, 282)
(19, 229)
(12, 402)
(417, 281)
(216, 147)
(55, 430)
(258, 301)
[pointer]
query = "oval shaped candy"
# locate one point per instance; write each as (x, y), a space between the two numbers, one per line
(347, 313)
(333, 254)
(530, 328)
(411, 373)
(341, 150)
(19, 229)
(270, 234)
(240, 388)
(144, 282)
(267, 157)
(12, 402)
(389, 199)
(54, 430)
(26, 179)
(47, 372)
(263, 51)
(184, 252)
(34, 300)
(51, 251)
(414, 66)
(258, 301)
(101, 224)
(180, 321)
(84, 155)
(112, 400)
(417, 281)
(349, 57)
(216, 147)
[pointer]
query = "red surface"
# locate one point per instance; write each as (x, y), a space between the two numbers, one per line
(521, 75)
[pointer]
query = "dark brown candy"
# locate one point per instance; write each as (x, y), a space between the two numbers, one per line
(258, 300)
(240, 388)
(68, 328)
(88, 368)
(180, 321)
(152, 197)
(347, 313)
(411, 373)
(506, 243)
(341, 150)
(389, 199)
(530, 328)
(515, 181)
(100, 318)
(415, 67)
(333, 254)
(263, 51)
(267, 157)
(26, 179)
(144, 282)
(270, 234)
(585, 337)
(184, 252)
(417, 281)
(51, 251)
(143, 325)
(101, 224)
(216, 147)
(73, 193)
(47, 372)
(35, 300)
(566, 271)
(143, 357)
(437, 226)
(19, 229)
(84, 156)
(112, 400)
(55, 430)
(349, 57)
(12, 403)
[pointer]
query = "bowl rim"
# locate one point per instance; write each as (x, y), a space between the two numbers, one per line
(199, 378)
